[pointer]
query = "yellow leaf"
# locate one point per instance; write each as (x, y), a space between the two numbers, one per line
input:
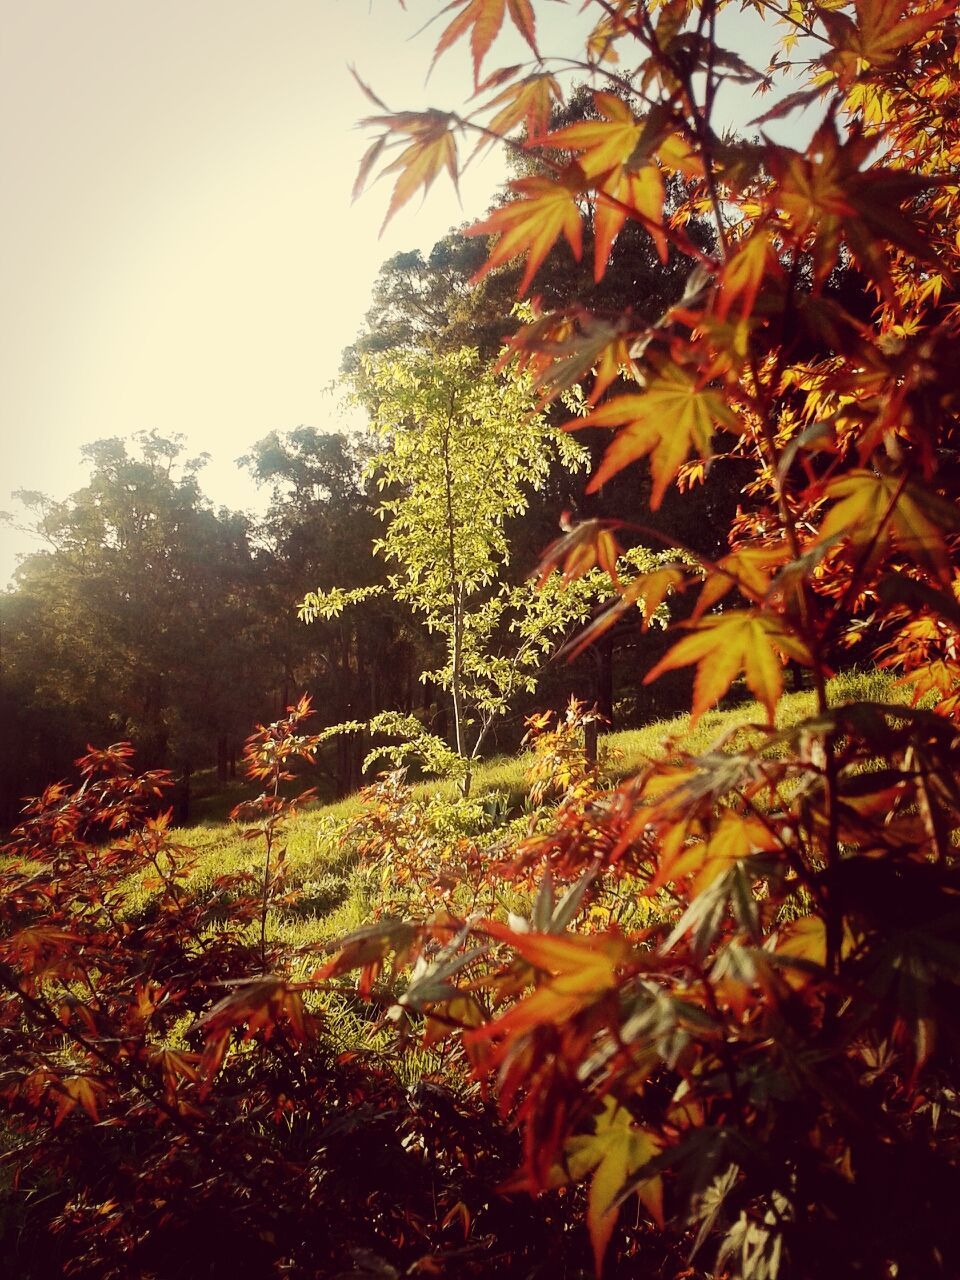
(528, 102)
(578, 965)
(614, 1151)
(431, 148)
(722, 647)
(804, 939)
(483, 19)
(874, 511)
(532, 224)
(750, 569)
(879, 33)
(735, 836)
(743, 273)
(672, 416)
(647, 591)
(639, 190)
(604, 144)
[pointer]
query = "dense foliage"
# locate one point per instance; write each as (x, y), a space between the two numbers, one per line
(709, 1013)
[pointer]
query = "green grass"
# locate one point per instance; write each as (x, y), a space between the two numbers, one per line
(336, 893)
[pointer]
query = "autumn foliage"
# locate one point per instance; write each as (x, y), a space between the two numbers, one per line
(715, 1006)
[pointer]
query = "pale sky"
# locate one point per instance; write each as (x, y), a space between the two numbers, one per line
(178, 249)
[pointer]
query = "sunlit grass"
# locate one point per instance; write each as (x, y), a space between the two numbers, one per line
(335, 893)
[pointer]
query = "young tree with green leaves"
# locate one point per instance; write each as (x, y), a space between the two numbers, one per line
(463, 448)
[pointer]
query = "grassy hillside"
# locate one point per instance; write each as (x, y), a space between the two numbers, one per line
(335, 892)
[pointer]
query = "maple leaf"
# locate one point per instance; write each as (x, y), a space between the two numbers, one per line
(483, 19)
(874, 511)
(72, 1091)
(528, 102)
(743, 273)
(750, 569)
(579, 549)
(39, 947)
(605, 147)
(734, 837)
(546, 209)
(723, 646)
(604, 144)
(825, 190)
(432, 148)
(561, 348)
(673, 415)
(257, 1004)
(577, 965)
(582, 971)
(639, 191)
(879, 34)
(615, 1150)
(175, 1066)
(647, 591)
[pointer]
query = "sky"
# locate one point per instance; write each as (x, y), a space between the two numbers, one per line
(178, 246)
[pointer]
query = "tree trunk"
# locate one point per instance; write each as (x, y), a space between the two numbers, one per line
(182, 798)
(591, 737)
(603, 656)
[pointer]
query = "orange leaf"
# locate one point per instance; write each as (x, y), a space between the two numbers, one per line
(532, 225)
(433, 148)
(524, 19)
(74, 1090)
(605, 148)
(639, 190)
(672, 416)
(874, 511)
(590, 543)
(614, 1151)
(578, 965)
(528, 102)
(604, 144)
(743, 273)
(647, 591)
(483, 19)
(750, 569)
(722, 647)
(879, 34)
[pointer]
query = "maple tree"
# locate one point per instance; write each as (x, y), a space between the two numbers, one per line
(791, 1003)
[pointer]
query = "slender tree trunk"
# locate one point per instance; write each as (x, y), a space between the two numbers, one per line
(182, 795)
(604, 676)
(456, 599)
(458, 725)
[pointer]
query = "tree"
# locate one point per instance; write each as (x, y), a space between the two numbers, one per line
(760, 1063)
(442, 300)
(318, 528)
(135, 620)
(461, 451)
